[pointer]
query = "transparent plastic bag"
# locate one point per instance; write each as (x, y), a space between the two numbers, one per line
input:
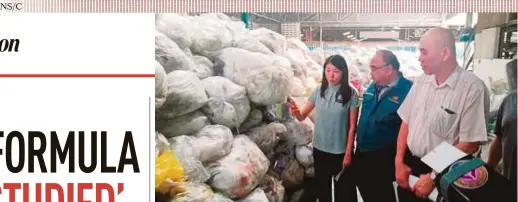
(170, 56)
(188, 156)
(183, 125)
(265, 136)
(255, 117)
(213, 142)
(161, 144)
(185, 94)
(203, 67)
(228, 104)
(304, 155)
(238, 173)
(266, 77)
(299, 132)
(160, 85)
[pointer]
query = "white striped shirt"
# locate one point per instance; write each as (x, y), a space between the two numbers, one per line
(455, 111)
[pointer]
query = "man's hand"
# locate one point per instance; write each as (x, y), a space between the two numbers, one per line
(402, 174)
(424, 186)
(347, 160)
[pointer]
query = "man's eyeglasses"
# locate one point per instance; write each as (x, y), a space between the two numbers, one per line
(375, 68)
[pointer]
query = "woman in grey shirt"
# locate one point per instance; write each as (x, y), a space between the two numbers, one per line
(336, 104)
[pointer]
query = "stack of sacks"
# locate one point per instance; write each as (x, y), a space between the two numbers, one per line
(218, 88)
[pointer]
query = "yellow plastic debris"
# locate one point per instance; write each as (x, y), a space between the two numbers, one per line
(168, 168)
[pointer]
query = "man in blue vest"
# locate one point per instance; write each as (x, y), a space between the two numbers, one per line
(378, 129)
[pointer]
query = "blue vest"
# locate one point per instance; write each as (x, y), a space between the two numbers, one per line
(379, 123)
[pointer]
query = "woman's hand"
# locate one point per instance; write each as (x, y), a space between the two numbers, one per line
(294, 110)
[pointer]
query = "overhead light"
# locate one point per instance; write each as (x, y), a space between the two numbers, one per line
(350, 36)
(396, 27)
(346, 33)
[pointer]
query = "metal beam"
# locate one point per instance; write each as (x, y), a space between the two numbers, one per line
(402, 24)
(266, 17)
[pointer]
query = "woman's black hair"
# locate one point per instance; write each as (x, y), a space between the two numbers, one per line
(345, 90)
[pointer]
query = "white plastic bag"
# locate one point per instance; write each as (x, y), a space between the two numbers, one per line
(188, 156)
(213, 142)
(177, 28)
(255, 117)
(170, 56)
(210, 36)
(299, 132)
(251, 44)
(304, 155)
(290, 171)
(228, 104)
(272, 40)
(238, 173)
(161, 144)
(203, 67)
(297, 88)
(185, 93)
(182, 125)
(255, 196)
(317, 55)
(160, 85)
(265, 136)
(266, 78)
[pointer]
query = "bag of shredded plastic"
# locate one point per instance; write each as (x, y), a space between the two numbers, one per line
(185, 94)
(170, 56)
(228, 104)
(304, 155)
(255, 117)
(203, 67)
(290, 171)
(251, 44)
(299, 132)
(175, 27)
(210, 35)
(266, 78)
(188, 156)
(161, 144)
(213, 142)
(265, 136)
(183, 125)
(160, 85)
(238, 173)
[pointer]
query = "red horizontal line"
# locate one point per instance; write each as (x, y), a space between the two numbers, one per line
(77, 75)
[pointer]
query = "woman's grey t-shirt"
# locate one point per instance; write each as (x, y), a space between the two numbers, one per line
(332, 119)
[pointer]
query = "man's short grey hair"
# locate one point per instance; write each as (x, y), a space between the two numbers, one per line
(389, 58)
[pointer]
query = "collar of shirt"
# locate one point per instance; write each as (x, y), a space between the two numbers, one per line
(394, 83)
(451, 81)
